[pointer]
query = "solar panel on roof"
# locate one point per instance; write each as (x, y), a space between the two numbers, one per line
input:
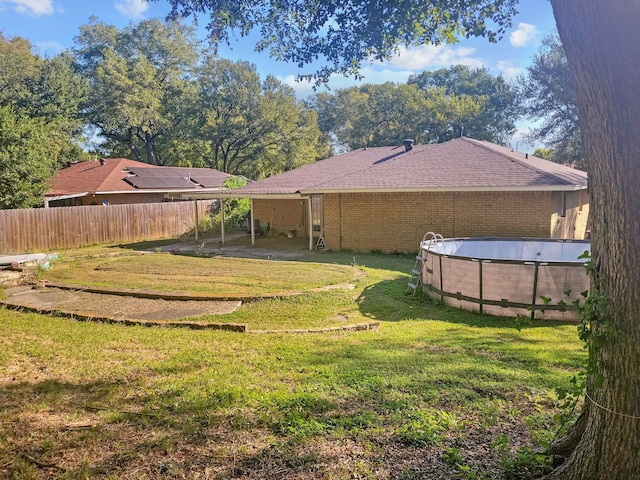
(138, 182)
(152, 172)
(173, 182)
(159, 183)
(174, 177)
(208, 179)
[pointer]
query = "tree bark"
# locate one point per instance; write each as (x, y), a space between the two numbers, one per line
(600, 41)
(565, 445)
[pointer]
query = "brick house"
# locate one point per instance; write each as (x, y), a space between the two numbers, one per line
(386, 198)
(123, 181)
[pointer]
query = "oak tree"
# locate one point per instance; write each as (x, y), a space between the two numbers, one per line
(140, 82)
(547, 95)
(253, 127)
(495, 121)
(385, 114)
(40, 120)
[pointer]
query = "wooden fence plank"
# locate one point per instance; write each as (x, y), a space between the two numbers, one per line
(27, 230)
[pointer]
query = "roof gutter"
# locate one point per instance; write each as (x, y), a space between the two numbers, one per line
(208, 193)
(154, 190)
(260, 196)
(49, 198)
(556, 188)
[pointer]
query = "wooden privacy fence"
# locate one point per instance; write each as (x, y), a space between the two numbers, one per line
(27, 230)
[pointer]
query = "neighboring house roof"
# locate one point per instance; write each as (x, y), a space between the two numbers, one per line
(121, 175)
(462, 164)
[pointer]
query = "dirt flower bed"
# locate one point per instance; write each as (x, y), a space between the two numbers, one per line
(117, 307)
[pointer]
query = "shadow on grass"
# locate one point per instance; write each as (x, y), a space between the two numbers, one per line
(55, 429)
(393, 300)
(334, 409)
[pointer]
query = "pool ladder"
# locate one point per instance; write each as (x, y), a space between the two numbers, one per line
(430, 239)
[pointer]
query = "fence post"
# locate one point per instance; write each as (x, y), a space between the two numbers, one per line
(535, 291)
(480, 274)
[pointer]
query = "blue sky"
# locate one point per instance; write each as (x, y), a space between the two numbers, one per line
(51, 26)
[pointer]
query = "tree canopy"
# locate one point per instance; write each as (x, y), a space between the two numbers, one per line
(495, 121)
(252, 127)
(546, 94)
(157, 96)
(431, 107)
(40, 120)
(343, 34)
(385, 114)
(139, 83)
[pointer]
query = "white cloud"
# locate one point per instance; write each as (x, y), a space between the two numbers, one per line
(33, 7)
(336, 81)
(48, 47)
(373, 74)
(131, 8)
(397, 69)
(429, 56)
(508, 70)
(301, 88)
(524, 35)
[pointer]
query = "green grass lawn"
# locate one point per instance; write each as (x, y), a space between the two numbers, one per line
(435, 393)
(179, 273)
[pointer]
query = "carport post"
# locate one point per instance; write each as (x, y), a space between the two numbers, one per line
(222, 219)
(253, 227)
(195, 202)
(310, 220)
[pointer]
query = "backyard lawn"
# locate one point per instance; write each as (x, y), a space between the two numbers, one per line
(434, 393)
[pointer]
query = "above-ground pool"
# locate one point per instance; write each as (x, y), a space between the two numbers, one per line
(540, 278)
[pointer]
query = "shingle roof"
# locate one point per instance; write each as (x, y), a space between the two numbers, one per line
(115, 176)
(459, 164)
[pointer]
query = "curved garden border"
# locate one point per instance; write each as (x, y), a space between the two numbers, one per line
(234, 327)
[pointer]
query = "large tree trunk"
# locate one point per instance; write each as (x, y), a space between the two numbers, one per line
(600, 40)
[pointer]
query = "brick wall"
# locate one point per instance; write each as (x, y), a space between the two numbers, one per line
(572, 222)
(282, 215)
(397, 221)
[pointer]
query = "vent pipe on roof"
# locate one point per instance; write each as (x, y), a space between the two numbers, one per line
(408, 144)
(102, 161)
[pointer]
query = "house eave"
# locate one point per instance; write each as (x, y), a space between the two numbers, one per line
(184, 194)
(546, 188)
(260, 196)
